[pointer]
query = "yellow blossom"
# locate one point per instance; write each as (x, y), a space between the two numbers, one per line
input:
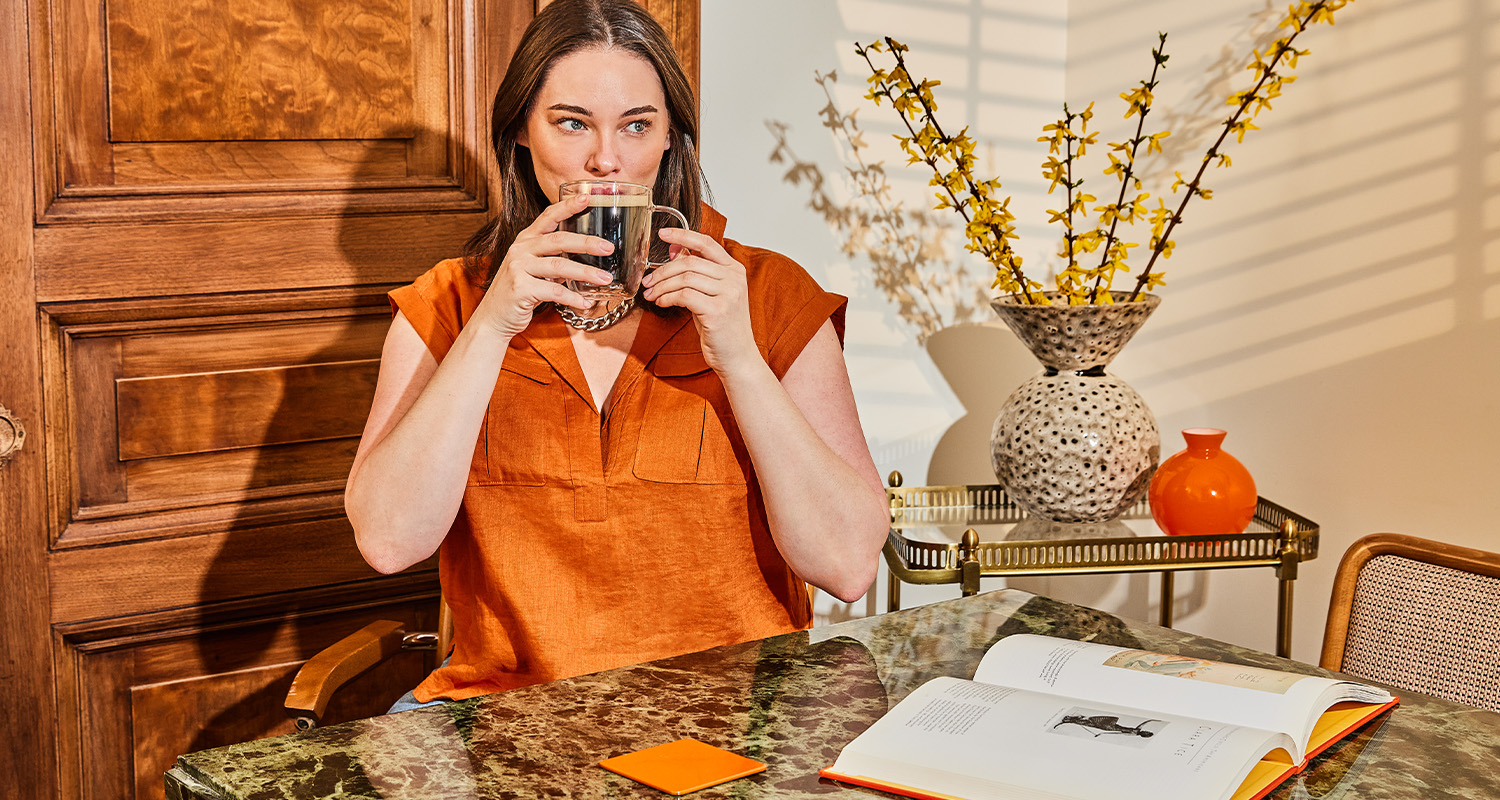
(1091, 228)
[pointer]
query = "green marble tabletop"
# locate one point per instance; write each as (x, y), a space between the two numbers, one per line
(792, 701)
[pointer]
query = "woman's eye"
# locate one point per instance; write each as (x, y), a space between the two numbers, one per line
(639, 126)
(571, 125)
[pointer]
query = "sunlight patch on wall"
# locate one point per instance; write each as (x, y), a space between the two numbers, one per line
(912, 23)
(1303, 356)
(1299, 317)
(1268, 269)
(1491, 257)
(1492, 301)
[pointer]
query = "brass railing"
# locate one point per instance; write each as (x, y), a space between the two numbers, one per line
(1276, 537)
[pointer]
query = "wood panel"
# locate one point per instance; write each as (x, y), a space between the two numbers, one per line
(206, 97)
(104, 710)
(347, 328)
(210, 415)
(269, 255)
(681, 20)
(214, 70)
(146, 698)
(137, 577)
(237, 475)
(171, 163)
(91, 423)
(205, 412)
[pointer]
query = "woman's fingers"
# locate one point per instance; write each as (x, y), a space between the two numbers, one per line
(554, 215)
(542, 282)
(663, 285)
(700, 243)
(558, 268)
(560, 242)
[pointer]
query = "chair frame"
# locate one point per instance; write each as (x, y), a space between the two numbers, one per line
(320, 676)
(1336, 632)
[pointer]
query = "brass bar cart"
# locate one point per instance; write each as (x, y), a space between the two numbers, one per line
(995, 543)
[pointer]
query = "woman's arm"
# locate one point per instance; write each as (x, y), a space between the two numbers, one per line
(413, 461)
(827, 508)
(825, 504)
(409, 473)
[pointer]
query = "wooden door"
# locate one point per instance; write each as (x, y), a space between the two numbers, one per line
(202, 205)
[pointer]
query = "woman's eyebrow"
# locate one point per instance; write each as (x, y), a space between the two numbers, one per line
(640, 110)
(580, 110)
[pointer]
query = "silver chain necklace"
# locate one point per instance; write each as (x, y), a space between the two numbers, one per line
(583, 323)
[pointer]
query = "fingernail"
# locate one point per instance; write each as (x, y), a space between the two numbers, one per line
(602, 277)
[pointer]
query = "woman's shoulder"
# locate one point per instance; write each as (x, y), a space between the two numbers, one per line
(772, 274)
(764, 268)
(787, 306)
(439, 302)
(451, 275)
(762, 260)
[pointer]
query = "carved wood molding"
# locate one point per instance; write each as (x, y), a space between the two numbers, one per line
(418, 584)
(269, 107)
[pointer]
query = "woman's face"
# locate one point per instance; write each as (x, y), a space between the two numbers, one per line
(599, 115)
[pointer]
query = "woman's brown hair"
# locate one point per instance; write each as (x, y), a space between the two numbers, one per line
(562, 28)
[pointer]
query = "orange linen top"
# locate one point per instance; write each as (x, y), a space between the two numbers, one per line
(586, 543)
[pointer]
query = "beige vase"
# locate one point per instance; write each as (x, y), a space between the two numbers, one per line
(1074, 443)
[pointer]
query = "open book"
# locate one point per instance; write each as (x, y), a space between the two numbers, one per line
(1055, 719)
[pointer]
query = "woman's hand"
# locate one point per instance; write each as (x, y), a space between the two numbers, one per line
(535, 266)
(706, 281)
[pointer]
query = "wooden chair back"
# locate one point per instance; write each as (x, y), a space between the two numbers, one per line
(1420, 615)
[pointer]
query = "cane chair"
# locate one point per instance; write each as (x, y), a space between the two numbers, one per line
(321, 676)
(1420, 615)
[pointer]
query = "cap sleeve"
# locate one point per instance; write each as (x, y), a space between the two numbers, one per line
(786, 305)
(437, 304)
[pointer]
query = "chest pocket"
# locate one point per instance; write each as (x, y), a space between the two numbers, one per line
(688, 435)
(523, 441)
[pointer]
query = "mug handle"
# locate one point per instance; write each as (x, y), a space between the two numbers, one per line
(680, 218)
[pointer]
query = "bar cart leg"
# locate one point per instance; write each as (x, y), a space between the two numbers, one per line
(1167, 581)
(892, 592)
(1284, 619)
(1286, 572)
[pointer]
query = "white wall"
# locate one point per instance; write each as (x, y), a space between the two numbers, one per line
(1334, 307)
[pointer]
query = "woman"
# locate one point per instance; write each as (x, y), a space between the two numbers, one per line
(603, 498)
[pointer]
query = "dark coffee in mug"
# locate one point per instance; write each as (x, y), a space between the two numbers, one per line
(621, 214)
(625, 222)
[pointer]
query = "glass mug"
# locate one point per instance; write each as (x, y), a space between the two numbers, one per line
(620, 213)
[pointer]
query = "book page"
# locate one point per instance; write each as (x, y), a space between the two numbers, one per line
(968, 739)
(1230, 693)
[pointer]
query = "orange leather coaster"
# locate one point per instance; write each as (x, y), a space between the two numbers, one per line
(683, 766)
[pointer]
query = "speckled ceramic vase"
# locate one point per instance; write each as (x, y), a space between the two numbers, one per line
(1074, 443)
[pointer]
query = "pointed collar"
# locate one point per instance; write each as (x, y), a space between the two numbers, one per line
(713, 223)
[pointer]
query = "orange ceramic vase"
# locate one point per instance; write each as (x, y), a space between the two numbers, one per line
(1202, 490)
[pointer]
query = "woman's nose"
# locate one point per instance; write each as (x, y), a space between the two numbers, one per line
(605, 160)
